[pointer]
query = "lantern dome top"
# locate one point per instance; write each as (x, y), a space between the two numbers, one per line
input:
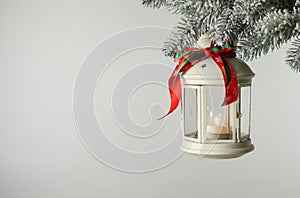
(208, 72)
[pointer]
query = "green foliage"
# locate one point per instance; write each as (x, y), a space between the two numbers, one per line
(293, 55)
(154, 4)
(260, 26)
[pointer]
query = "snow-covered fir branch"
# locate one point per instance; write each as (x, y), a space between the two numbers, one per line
(293, 55)
(275, 29)
(260, 26)
(154, 3)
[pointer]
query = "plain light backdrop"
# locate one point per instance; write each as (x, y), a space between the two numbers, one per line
(42, 45)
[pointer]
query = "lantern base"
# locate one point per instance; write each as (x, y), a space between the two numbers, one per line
(217, 150)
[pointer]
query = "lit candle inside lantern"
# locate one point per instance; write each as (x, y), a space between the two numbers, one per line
(214, 124)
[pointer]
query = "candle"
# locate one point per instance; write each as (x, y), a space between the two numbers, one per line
(215, 129)
(214, 126)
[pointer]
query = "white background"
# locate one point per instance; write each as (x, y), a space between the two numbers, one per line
(42, 46)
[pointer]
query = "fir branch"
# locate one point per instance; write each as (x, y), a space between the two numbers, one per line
(185, 35)
(293, 55)
(257, 9)
(228, 25)
(154, 3)
(189, 30)
(270, 33)
(189, 8)
(260, 25)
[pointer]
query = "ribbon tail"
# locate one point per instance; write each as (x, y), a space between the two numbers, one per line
(175, 92)
(230, 79)
(174, 82)
(232, 91)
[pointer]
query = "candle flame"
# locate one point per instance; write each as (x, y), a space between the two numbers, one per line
(215, 120)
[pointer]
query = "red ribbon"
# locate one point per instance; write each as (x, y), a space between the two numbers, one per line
(194, 56)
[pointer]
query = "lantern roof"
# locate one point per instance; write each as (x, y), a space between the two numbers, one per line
(208, 72)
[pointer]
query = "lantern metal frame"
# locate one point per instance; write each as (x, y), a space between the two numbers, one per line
(201, 78)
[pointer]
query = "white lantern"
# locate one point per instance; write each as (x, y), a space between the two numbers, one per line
(209, 129)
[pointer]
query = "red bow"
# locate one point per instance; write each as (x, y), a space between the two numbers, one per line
(189, 58)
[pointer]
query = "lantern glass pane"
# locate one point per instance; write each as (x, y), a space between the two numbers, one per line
(245, 98)
(190, 112)
(217, 116)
